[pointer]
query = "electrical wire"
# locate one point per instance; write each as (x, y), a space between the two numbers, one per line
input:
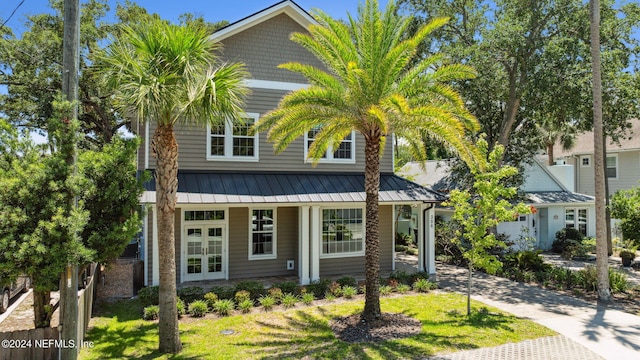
(12, 13)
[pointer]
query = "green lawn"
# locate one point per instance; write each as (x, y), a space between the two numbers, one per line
(119, 333)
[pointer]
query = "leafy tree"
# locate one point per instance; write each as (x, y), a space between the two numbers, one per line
(170, 74)
(370, 86)
(479, 211)
(625, 205)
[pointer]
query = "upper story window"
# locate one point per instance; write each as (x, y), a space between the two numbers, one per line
(585, 161)
(345, 153)
(232, 141)
(612, 166)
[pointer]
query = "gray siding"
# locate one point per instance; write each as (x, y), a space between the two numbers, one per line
(192, 147)
(265, 46)
(355, 265)
(287, 245)
(628, 174)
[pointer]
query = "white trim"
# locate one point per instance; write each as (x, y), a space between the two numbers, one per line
(315, 243)
(146, 145)
(204, 275)
(588, 157)
(287, 7)
(617, 165)
(344, 254)
(275, 85)
(228, 143)
(274, 254)
(430, 242)
(145, 246)
(224, 223)
(303, 262)
(156, 256)
(329, 159)
(422, 239)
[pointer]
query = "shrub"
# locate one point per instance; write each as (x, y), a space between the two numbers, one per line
(245, 305)
(347, 281)
(526, 260)
(198, 308)
(151, 312)
(224, 292)
(385, 290)
(393, 283)
(329, 297)
(149, 295)
(307, 298)
(566, 239)
(335, 289)
(288, 287)
(267, 302)
(423, 285)
(289, 300)
(401, 277)
(255, 288)
(190, 294)
(403, 288)
(618, 281)
(588, 278)
(319, 288)
(223, 307)
(242, 295)
(349, 291)
(210, 298)
(181, 308)
(276, 293)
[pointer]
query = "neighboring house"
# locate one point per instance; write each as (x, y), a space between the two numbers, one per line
(623, 161)
(555, 206)
(243, 212)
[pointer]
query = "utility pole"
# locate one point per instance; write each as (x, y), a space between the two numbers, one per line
(69, 279)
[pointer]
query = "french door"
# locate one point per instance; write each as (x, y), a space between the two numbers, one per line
(203, 249)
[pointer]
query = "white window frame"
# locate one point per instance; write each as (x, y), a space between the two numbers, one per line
(583, 158)
(274, 254)
(228, 143)
(615, 156)
(576, 223)
(323, 255)
(329, 154)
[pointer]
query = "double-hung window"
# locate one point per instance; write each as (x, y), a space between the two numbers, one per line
(577, 219)
(342, 232)
(232, 140)
(345, 153)
(612, 166)
(262, 234)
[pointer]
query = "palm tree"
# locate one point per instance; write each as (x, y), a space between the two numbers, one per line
(170, 74)
(371, 85)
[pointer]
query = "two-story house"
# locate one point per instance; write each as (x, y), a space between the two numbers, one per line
(243, 212)
(622, 161)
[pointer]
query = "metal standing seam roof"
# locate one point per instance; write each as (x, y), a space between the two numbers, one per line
(224, 187)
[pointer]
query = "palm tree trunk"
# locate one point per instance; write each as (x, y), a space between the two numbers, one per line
(372, 310)
(165, 148)
(602, 263)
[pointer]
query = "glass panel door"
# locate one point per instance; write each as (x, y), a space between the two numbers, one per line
(203, 252)
(194, 253)
(214, 253)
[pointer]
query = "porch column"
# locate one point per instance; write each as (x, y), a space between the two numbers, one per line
(145, 245)
(156, 257)
(431, 241)
(315, 243)
(421, 238)
(304, 246)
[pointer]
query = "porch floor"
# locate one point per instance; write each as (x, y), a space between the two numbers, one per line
(404, 262)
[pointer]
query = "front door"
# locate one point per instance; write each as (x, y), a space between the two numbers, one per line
(203, 251)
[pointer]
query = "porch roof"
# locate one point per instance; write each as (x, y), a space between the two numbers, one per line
(558, 197)
(281, 187)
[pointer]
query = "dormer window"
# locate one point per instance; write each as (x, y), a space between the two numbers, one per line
(345, 153)
(232, 140)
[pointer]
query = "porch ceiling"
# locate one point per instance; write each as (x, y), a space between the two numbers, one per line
(225, 187)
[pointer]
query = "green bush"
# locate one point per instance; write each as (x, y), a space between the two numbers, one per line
(618, 281)
(588, 278)
(255, 288)
(210, 298)
(242, 295)
(224, 292)
(267, 302)
(348, 291)
(245, 305)
(565, 240)
(223, 307)
(525, 260)
(401, 277)
(385, 290)
(276, 293)
(319, 288)
(289, 300)
(288, 287)
(423, 285)
(335, 289)
(151, 312)
(347, 281)
(191, 294)
(181, 308)
(198, 308)
(149, 295)
(403, 288)
(307, 298)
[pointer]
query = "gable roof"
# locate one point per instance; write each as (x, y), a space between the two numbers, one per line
(584, 142)
(540, 186)
(288, 7)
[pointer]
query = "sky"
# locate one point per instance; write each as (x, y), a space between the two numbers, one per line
(211, 10)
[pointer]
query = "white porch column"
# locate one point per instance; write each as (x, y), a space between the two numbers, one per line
(303, 266)
(145, 245)
(315, 243)
(431, 241)
(156, 256)
(421, 238)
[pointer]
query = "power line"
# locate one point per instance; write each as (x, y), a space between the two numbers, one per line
(12, 13)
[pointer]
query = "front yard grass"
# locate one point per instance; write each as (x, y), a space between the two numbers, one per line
(118, 332)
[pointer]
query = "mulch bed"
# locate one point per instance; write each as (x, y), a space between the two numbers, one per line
(392, 326)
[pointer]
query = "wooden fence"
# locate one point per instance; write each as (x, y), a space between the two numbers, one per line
(45, 343)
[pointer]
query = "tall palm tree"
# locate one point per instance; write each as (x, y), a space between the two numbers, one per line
(170, 74)
(371, 85)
